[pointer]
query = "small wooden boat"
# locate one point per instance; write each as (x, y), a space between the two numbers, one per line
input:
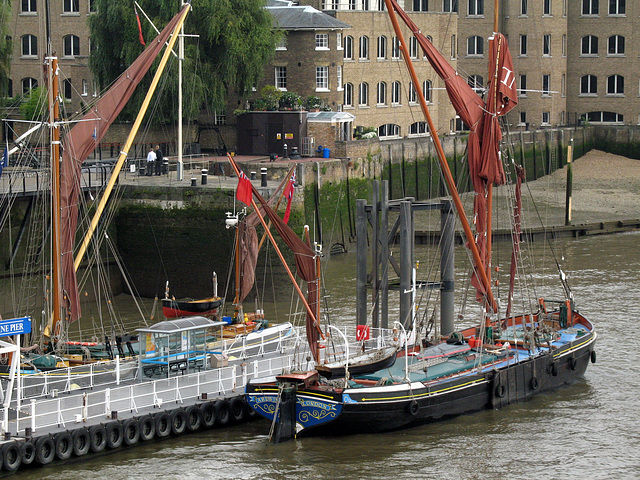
(361, 364)
(172, 308)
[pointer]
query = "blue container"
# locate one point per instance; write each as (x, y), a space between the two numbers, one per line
(325, 153)
(227, 320)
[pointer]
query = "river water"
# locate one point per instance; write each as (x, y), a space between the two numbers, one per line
(589, 430)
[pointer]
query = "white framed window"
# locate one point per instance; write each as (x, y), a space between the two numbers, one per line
(450, 6)
(219, 118)
(524, 7)
(454, 47)
(348, 47)
(413, 47)
(363, 51)
(389, 130)
(382, 48)
(603, 117)
(365, 5)
(589, 45)
(420, 5)
(615, 85)
(396, 93)
(546, 7)
(413, 95)
(426, 90)
(523, 119)
(29, 6)
(282, 43)
(71, 45)
(476, 8)
(589, 85)
(564, 44)
(615, 45)
(92, 6)
(29, 46)
(71, 6)
(352, 4)
(395, 49)
(523, 45)
(617, 7)
(418, 128)
(85, 88)
(523, 85)
(322, 41)
(363, 94)
(563, 85)
(546, 85)
(476, 82)
(381, 6)
(348, 95)
(339, 77)
(322, 79)
(281, 78)
(339, 41)
(28, 84)
(590, 7)
(546, 45)
(475, 46)
(545, 118)
(381, 97)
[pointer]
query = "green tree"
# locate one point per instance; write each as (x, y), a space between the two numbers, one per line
(5, 45)
(235, 41)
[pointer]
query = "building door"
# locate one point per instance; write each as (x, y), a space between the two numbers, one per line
(275, 138)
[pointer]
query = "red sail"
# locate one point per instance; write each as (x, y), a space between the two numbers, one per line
(82, 139)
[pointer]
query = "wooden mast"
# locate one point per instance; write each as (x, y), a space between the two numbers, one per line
(479, 267)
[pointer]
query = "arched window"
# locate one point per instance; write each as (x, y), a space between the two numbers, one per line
(603, 117)
(588, 85)
(382, 48)
(348, 94)
(413, 47)
(364, 48)
(348, 47)
(363, 94)
(616, 45)
(382, 94)
(615, 85)
(589, 45)
(426, 90)
(71, 46)
(395, 48)
(475, 45)
(28, 84)
(476, 82)
(29, 46)
(389, 130)
(396, 92)
(418, 128)
(413, 95)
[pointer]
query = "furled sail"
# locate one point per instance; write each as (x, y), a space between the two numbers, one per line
(82, 139)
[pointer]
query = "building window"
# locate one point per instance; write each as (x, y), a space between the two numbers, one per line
(282, 43)
(617, 7)
(588, 85)
(219, 118)
(348, 47)
(476, 7)
(29, 46)
(450, 6)
(363, 94)
(546, 45)
(426, 90)
(396, 92)
(395, 48)
(352, 4)
(546, 85)
(413, 47)
(524, 7)
(365, 5)
(339, 77)
(71, 46)
(348, 94)
(339, 41)
(364, 48)
(563, 85)
(381, 6)
(28, 84)
(389, 130)
(381, 98)
(523, 86)
(330, 5)
(590, 7)
(92, 6)
(281, 78)
(589, 45)
(616, 45)
(71, 6)
(564, 44)
(413, 95)
(615, 85)
(546, 7)
(418, 128)
(66, 89)
(29, 6)
(382, 48)
(545, 118)
(454, 47)
(420, 5)
(523, 118)
(475, 45)
(476, 82)
(322, 78)
(523, 45)
(85, 88)
(322, 41)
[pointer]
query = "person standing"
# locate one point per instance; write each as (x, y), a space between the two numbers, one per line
(159, 159)
(151, 160)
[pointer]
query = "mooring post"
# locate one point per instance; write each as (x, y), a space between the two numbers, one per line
(375, 257)
(361, 263)
(406, 264)
(567, 217)
(384, 254)
(447, 272)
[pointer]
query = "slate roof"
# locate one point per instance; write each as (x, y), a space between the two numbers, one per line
(304, 18)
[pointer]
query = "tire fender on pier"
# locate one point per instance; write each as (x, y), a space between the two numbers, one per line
(209, 417)
(12, 456)
(194, 418)
(45, 450)
(115, 434)
(28, 452)
(223, 413)
(81, 441)
(131, 431)
(64, 445)
(147, 428)
(98, 438)
(237, 409)
(533, 383)
(178, 421)
(163, 424)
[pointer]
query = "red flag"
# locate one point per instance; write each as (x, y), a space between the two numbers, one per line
(288, 193)
(139, 28)
(244, 192)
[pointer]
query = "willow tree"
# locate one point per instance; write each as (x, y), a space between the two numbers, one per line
(235, 41)
(5, 45)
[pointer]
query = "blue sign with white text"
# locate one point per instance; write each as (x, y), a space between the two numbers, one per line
(15, 326)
